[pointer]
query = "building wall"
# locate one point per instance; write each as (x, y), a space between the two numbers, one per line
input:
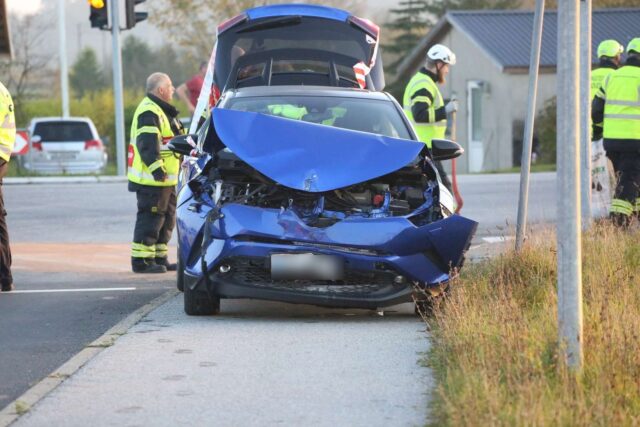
(504, 100)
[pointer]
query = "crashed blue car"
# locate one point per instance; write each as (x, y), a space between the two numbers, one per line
(305, 188)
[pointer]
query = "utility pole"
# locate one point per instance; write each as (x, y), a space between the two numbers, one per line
(568, 153)
(117, 85)
(585, 111)
(64, 79)
(527, 140)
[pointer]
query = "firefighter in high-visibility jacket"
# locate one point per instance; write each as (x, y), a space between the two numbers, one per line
(153, 175)
(7, 139)
(423, 103)
(609, 52)
(616, 113)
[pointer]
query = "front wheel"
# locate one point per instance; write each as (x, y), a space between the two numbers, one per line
(198, 303)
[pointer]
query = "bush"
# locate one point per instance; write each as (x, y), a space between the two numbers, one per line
(546, 129)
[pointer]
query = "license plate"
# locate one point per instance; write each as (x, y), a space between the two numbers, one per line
(63, 156)
(306, 267)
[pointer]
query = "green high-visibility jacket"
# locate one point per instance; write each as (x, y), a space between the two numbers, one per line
(422, 94)
(7, 124)
(140, 172)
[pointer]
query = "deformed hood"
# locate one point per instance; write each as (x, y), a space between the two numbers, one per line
(308, 156)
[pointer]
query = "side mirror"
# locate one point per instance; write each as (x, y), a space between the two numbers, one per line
(36, 139)
(183, 144)
(444, 149)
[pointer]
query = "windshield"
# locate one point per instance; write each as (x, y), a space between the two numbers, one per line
(64, 131)
(293, 34)
(364, 115)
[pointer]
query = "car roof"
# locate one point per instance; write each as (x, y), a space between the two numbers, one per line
(61, 119)
(307, 90)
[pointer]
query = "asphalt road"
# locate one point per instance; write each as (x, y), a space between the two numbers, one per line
(75, 238)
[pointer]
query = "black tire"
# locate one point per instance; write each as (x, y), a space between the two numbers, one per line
(180, 275)
(198, 303)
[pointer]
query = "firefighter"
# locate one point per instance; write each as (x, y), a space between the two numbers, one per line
(423, 103)
(609, 52)
(7, 139)
(616, 113)
(153, 175)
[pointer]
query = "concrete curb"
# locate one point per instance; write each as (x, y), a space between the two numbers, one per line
(24, 403)
(63, 180)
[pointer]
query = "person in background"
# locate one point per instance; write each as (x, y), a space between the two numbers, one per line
(616, 115)
(189, 91)
(153, 176)
(609, 55)
(423, 102)
(7, 139)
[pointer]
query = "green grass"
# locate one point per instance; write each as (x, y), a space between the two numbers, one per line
(538, 167)
(495, 355)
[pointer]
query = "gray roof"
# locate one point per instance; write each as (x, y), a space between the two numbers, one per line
(505, 36)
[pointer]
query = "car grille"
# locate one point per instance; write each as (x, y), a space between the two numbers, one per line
(252, 272)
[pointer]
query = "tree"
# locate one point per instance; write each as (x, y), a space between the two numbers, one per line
(191, 25)
(138, 61)
(86, 75)
(407, 28)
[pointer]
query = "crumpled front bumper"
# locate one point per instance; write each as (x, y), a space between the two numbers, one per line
(383, 257)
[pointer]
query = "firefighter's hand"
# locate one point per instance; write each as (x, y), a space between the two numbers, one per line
(451, 107)
(159, 174)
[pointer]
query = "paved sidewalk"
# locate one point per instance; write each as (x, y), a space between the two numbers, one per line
(256, 364)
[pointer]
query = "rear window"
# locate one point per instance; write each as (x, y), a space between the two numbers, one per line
(364, 115)
(63, 131)
(293, 34)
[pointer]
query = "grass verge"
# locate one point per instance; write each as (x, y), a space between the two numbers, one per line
(495, 354)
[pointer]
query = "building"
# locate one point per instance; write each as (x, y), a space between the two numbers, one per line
(491, 75)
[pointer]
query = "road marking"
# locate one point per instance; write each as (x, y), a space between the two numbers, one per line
(498, 239)
(47, 291)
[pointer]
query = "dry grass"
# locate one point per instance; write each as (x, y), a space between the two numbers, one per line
(495, 353)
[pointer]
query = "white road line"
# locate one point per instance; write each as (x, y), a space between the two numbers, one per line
(48, 291)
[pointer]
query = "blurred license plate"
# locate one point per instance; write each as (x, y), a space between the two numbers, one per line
(306, 267)
(63, 156)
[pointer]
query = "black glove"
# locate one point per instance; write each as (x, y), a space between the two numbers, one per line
(159, 174)
(596, 132)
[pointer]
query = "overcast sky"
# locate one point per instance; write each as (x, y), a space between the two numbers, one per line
(79, 33)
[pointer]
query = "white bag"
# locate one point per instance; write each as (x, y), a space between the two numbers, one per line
(601, 181)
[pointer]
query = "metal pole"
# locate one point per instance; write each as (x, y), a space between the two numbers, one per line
(585, 111)
(116, 53)
(527, 140)
(568, 153)
(64, 80)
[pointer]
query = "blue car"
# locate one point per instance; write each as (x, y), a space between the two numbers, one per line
(305, 188)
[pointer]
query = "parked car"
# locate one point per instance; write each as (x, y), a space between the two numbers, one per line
(64, 146)
(307, 188)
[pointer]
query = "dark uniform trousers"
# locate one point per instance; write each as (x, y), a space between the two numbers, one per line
(5, 251)
(156, 215)
(626, 165)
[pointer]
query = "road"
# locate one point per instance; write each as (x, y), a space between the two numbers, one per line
(76, 237)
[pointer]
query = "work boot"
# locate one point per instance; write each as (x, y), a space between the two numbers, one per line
(144, 265)
(620, 220)
(7, 287)
(168, 265)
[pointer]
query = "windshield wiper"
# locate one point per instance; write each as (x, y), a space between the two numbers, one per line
(267, 24)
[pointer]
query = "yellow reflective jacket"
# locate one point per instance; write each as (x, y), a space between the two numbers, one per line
(7, 124)
(422, 89)
(142, 173)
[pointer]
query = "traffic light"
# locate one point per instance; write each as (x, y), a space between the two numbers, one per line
(134, 17)
(99, 15)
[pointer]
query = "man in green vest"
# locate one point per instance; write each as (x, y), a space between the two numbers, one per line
(609, 52)
(7, 139)
(616, 113)
(423, 102)
(153, 175)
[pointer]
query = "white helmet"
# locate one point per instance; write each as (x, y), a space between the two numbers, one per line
(439, 52)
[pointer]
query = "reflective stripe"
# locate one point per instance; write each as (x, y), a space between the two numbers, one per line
(621, 206)
(162, 250)
(622, 116)
(424, 99)
(138, 250)
(5, 149)
(624, 103)
(155, 165)
(140, 174)
(148, 129)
